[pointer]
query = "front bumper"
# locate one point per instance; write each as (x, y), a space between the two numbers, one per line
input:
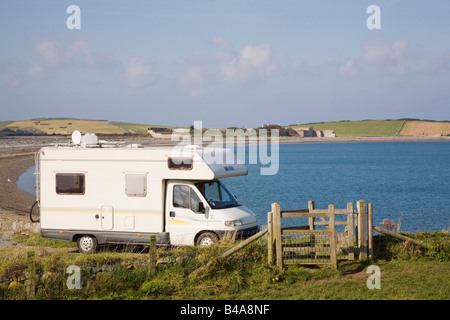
(239, 234)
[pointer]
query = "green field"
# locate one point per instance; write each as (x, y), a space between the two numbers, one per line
(366, 128)
(408, 272)
(65, 126)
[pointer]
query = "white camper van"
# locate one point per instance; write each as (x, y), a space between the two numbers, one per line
(96, 193)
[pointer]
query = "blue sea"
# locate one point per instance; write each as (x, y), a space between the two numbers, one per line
(406, 182)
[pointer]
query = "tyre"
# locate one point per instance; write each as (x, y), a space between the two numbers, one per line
(206, 239)
(35, 215)
(87, 244)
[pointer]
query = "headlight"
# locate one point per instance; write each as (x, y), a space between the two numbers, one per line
(233, 223)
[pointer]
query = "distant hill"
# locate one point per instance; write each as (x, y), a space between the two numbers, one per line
(65, 126)
(383, 128)
(364, 128)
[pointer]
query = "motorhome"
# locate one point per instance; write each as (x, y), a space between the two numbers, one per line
(95, 193)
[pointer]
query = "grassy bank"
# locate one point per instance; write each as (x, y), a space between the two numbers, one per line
(368, 128)
(383, 128)
(407, 272)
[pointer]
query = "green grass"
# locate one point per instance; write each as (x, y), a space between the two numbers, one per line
(66, 126)
(4, 123)
(407, 273)
(367, 128)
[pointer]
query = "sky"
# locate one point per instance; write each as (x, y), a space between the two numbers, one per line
(226, 63)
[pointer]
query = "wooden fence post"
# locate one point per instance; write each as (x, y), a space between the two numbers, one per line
(370, 228)
(152, 256)
(311, 219)
(31, 287)
(277, 232)
(332, 229)
(270, 238)
(350, 233)
(362, 229)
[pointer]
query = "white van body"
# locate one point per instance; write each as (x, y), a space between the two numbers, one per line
(125, 194)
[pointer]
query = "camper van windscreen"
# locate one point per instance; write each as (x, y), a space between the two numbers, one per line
(217, 195)
(180, 163)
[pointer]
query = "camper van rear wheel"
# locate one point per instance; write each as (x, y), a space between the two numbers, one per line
(206, 239)
(87, 244)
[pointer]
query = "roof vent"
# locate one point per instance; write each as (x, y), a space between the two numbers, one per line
(89, 140)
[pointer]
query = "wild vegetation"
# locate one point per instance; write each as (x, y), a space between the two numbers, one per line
(407, 272)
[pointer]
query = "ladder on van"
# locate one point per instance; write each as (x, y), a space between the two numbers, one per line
(37, 173)
(35, 212)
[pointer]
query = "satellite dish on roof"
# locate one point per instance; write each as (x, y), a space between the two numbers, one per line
(76, 137)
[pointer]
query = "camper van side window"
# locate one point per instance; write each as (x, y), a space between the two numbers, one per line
(135, 185)
(179, 163)
(185, 197)
(181, 196)
(70, 183)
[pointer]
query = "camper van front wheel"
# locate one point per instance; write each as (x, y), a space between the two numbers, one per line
(87, 244)
(206, 239)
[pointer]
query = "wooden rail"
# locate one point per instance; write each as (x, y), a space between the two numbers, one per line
(402, 237)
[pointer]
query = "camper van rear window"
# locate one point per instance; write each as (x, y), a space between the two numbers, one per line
(70, 183)
(180, 163)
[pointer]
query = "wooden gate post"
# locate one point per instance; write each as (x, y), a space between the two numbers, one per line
(311, 219)
(370, 228)
(277, 232)
(362, 229)
(350, 233)
(270, 238)
(332, 229)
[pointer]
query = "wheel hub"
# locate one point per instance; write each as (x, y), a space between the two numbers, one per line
(86, 243)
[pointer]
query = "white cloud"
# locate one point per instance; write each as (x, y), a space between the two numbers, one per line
(80, 51)
(192, 76)
(392, 57)
(136, 70)
(49, 52)
(35, 71)
(53, 55)
(348, 69)
(14, 84)
(252, 61)
(222, 43)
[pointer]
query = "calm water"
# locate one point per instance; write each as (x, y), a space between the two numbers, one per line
(403, 180)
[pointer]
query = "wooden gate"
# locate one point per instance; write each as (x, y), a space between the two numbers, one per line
(339, 236)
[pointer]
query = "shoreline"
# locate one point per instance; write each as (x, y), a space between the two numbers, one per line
(365, 139)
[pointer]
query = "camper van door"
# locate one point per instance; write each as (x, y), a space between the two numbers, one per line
(185, 214)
